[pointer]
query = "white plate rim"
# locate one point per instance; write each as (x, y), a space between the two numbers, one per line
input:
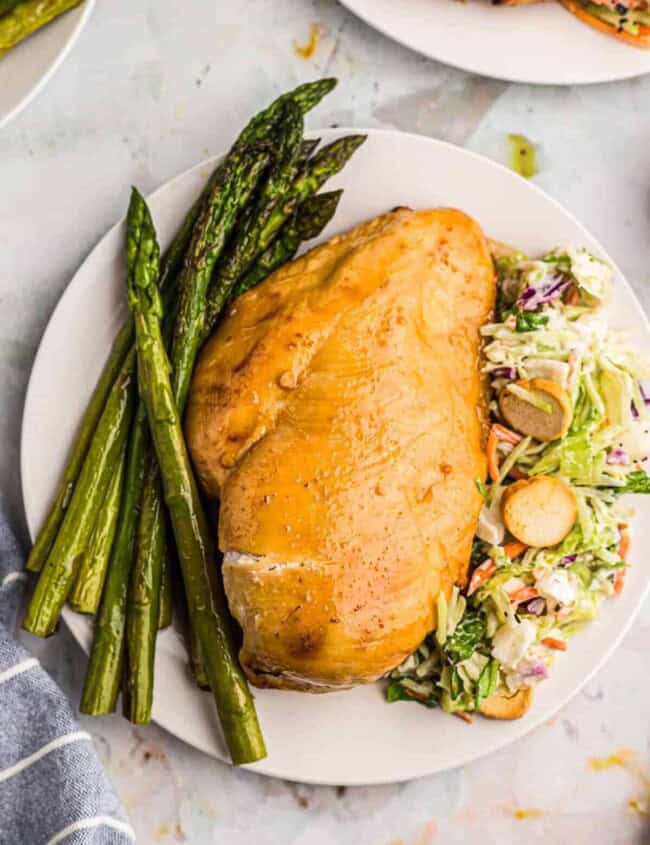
(360, 8)
(77, 623)
(54, 65)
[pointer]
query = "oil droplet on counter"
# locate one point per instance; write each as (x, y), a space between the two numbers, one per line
(627, 760)
(306, 51)
(638, 805)
(619, 758)
(523, 156)
(530, 813)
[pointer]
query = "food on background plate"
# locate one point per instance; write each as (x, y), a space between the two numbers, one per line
(628, 21)
(322, 416)
(21, 18)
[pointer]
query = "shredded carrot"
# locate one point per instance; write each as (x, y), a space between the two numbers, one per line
(464, 716)
(506, 434)
(624, 544)
(558, 645)
(523, 594)
(480, 575)
(572, 296)
(514, 549)
(619, 581)
(492, 457)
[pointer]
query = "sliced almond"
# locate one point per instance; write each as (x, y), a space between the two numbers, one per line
(536, 407)
(539, 511)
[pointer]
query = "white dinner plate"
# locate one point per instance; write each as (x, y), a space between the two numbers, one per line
(542, 43)
(349, 737)
(25, 70)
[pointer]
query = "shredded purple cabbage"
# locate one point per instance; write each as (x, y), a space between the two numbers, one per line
(534, 669)
(644, 394)
(634, 411)
(535, 606)
(567, 559)
(618, 456)
(534, 296)
(504, 372)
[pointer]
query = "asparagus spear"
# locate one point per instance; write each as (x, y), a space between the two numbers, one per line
(307, 222)
(46, 536)
(63, 560)
(7, 6)
(305, 96)
(102, 684)
(307, 147)
(58, 574)
(103, 678)
(240, 174)
(27, 17)
(246, 243)
(196, 661)
(325, 164)
(193, 539)
(122, 344)
(261, 226)
(143, 604)
(230, 192)
(257, 131)
(87, 590)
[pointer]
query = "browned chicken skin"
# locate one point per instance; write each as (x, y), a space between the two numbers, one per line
(337, 415)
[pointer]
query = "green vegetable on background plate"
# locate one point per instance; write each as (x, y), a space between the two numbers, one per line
(19, 20)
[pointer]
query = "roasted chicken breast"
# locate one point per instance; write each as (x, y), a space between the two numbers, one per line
(337, 414)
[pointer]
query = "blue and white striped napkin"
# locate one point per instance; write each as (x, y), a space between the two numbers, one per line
(52, 786)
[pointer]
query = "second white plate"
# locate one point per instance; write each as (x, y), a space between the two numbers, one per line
(542, 43)
(26, 69)
(350, 737)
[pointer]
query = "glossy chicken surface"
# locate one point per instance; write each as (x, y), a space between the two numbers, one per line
(338, 414)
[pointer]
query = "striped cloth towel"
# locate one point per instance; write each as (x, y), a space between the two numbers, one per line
(52, 786)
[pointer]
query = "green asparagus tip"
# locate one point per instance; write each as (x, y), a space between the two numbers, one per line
(309, 95)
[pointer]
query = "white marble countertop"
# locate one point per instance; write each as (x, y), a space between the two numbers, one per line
(149, 90)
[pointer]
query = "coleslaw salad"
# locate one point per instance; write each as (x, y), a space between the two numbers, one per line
(521, 605)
